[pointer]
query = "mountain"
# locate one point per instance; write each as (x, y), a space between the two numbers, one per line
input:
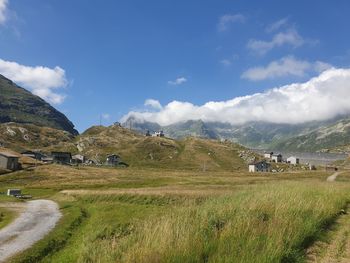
(20, 106)
(333, 137)
(20, 137)
(305, 137)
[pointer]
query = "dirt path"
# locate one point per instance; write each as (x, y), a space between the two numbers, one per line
(336, 248)
(333, 177)
(36, 220)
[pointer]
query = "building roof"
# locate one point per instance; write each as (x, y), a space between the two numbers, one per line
(110, 155)
(259, 162)
(8, 154)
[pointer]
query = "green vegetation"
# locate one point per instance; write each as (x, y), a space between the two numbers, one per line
(157, 215)
(20, 106)
(6, 216)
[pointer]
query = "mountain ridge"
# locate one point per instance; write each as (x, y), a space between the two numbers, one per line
(21, 106)
(260, 135)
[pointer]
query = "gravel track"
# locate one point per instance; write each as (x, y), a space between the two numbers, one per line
(38, 218)
(333, 177)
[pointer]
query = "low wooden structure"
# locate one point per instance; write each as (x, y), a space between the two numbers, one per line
(14, 192)
(61, 157)
(9, 161)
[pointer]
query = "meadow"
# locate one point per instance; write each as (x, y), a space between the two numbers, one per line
(159, 215)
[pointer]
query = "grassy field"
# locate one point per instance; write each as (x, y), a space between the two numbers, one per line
(6, 216)
(159, 215)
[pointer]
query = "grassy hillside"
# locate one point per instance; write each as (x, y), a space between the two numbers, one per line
(20, 106)
(135, 149)
(141, 151)
(20, 137)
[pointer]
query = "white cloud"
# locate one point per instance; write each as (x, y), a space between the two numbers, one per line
(226, 20)
(286, 66)
(42, 81)
(290, 37)
(3, 10)
(177, 81)
(226, 62)
(277, 25)
(320, 98)
(153, 104)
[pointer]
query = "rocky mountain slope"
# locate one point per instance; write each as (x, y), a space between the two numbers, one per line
(20, 106)
(334, 137)
(21, 137)
(311, 136)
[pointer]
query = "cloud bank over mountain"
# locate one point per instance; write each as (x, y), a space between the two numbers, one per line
(322, 97)
(42, 81)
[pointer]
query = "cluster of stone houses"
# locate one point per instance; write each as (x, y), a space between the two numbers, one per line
(10, 161)
(155, 134)
(270, 157)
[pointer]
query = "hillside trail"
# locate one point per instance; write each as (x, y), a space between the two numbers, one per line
(37, 218)
(336, 246)
(333, 177)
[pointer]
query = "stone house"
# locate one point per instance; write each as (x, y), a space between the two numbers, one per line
(61, 157)
(268, 155)
(9, 161)
(293, 160)
(113, 159)
(277, 158)
(78, 158)
(158, 134)
(261, 166)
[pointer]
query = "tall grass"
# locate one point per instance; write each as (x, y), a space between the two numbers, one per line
(271, 223)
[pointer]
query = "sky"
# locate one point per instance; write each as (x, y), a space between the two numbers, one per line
(169, 61)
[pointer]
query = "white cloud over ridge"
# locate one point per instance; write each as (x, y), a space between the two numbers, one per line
(290, 37)
(320, 98)
(3, 8)
(42, 81)
(155, 104)
(226, 20)
(286, 66)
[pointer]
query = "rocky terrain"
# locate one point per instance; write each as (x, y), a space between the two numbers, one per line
(20, 106)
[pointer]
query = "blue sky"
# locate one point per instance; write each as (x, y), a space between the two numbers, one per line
(92, 58)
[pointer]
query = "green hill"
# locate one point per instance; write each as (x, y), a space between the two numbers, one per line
(135, 149)
(20, 106)
(159, 152)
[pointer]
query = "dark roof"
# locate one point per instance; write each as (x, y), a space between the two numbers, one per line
(258, 162)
